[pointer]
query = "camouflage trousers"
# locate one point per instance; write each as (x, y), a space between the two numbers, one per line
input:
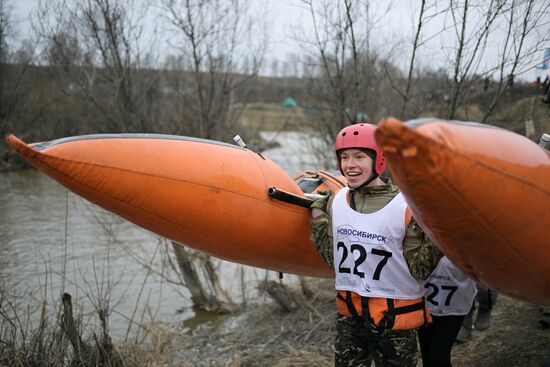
(391, 348)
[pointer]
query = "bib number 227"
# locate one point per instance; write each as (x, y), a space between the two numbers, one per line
(362, 252)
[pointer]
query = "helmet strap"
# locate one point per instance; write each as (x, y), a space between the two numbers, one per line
(373, 177)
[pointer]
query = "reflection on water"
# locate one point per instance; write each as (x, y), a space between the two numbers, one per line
(52, 241)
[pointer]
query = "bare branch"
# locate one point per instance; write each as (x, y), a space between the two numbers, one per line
(411, 66)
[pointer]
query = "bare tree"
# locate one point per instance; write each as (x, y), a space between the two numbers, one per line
(15, 64)
(427, 11)
(406, 94)
(346, 80)
(214, 39)
(335, 42)
(473, 22)
(4, 29)
(94, 45)
(524, 19)
(516, 27)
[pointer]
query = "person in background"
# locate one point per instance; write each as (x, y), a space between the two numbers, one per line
(486, 299)
(379, 254)
(544, 320)
(546, 91)
(486, 84)
(449, 295)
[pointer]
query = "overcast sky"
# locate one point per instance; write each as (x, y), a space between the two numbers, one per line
(286, 17)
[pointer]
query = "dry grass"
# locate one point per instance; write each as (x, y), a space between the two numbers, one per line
(264, 335)
(274, 117)
(514, 339)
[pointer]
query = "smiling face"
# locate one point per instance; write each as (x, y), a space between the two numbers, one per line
(356, 165)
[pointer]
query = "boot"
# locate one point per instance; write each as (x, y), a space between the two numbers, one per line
(544, 321)
(483, 319)
(465, 332)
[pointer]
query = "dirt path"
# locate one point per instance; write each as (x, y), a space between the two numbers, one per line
(514, 338)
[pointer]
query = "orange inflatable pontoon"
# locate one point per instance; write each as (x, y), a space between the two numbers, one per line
(208, 195)
(483, 194)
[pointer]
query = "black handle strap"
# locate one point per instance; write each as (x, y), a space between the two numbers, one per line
(288, 197)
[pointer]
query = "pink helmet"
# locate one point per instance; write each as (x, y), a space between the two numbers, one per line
(360, 136)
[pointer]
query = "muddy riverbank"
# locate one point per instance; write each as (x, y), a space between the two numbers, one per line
(267, 336)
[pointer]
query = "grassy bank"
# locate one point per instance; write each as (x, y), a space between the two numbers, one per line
(265, 335)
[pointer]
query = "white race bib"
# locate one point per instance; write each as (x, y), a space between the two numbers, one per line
(368, 250)
(448, 290)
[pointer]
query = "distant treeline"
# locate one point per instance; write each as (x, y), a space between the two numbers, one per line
(42, 102)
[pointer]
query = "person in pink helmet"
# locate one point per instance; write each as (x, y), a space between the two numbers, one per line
(379, 254)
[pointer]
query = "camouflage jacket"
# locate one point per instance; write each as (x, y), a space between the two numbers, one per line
(420, 253)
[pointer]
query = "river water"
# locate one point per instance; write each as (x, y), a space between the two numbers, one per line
(53, 241)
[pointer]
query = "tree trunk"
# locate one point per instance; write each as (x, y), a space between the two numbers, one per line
(280, 294)
(218, 302)
(198, 295)
(81, 350)
(103, 354)
(223, 301)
